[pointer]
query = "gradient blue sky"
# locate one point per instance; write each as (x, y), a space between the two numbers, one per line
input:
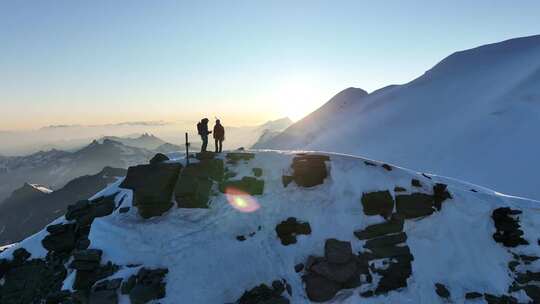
(105, 61)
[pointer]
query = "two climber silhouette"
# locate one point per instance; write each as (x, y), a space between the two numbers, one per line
(219, 134)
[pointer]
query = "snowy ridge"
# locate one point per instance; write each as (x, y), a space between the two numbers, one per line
(207, 264)
(473, 116)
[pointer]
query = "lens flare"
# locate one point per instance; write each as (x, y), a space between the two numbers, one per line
(241, 201)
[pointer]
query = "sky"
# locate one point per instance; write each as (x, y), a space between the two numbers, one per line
(102, 61)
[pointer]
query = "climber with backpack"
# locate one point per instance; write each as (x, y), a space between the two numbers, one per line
(202, 129)
(219, 136)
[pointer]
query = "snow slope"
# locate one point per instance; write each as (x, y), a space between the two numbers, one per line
(208, 265)
(474, 116)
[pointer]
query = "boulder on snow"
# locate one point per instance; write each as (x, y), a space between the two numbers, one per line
(319, 288)
(258, 172)
(30, 281)
(309, 170)
(416, 183)
(442, 291)
(378, 203)
(62, 238)
(337, 252)
(264, 294)
(288, 230)
(507, 227)
(386, 241)
(194, 186)
(414, 205)
(148, 285)
(393, 225)
(338, 269)
(152, 187)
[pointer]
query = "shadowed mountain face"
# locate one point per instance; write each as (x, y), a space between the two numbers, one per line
(473, 116)
(55, 168)
(29, 209)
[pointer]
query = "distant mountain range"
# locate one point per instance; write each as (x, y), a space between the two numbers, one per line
(473, 116)
(55, 168)
(32, 206)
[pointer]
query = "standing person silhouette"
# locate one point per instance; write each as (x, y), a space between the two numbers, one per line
(219, 136)
(202, 129)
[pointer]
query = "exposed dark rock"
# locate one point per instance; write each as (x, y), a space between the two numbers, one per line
(367, 294)
(440, 194)
(240, 238)
(258, 172)
(426, 176)
(527, 277)
(30, 281)
(264, 294)
(152, 187)
(320, 289)
(159, 158)
(309, 170)
(149, 286)
(124, 209)
(393, 225)
(247, 184)
(339, 269)
(337, 252)
(340, 273)
(286, 180)
(504, 299)
(473, 295)
(62, 238)
(84, 212)
(399, 189)
(507, 227)
(378, 203)
(195, 183)
(387, 167)
(442, 291)
(368, 163)
(299, 267)
(386, 241)
(394, 276)
(89, 272)
(20, 255)
(288, 230)
(416, 183)
(414, 205)
(533, 292)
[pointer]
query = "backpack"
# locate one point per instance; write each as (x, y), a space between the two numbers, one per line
(200, 128)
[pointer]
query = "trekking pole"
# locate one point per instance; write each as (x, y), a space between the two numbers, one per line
(187, 150)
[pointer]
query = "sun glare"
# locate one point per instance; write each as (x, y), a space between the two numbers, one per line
(241, 201)
(297, 96)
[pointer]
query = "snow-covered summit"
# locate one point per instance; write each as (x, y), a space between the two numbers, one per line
(320, 226)
(473, 116)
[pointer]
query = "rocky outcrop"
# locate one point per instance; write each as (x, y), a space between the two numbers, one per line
(442, 291)
(378, 203)
(28, 280)
(338, 269)
(288, 230)
(507, 227)
(89, 268)
(264, 294)
(193, 189)
(309, 170)
(145, 286)
(152, 187)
